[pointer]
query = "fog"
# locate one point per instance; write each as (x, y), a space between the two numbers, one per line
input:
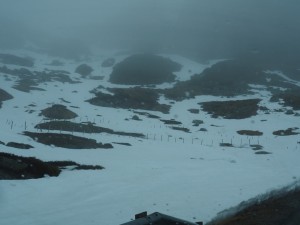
(202, 29)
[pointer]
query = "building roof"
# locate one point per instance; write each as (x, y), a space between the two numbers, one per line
(159, 219)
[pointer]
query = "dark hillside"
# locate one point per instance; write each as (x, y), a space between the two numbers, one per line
(227, 78)
(279, 209)
(143, 69)
(4, 96)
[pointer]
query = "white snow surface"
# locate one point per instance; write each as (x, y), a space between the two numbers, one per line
(186, 175)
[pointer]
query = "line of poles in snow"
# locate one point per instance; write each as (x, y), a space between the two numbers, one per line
(237, 142)
(12, 124)
(205, 141)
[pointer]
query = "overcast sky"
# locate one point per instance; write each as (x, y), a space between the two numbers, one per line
(208, 26)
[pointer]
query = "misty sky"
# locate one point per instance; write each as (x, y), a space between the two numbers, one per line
(209, 26)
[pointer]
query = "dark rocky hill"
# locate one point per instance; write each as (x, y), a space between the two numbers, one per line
(4, 96)
(280, 208)
(16, 60)
(143, 69)
(227, 78)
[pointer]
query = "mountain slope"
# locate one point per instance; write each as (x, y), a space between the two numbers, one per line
(191, 170)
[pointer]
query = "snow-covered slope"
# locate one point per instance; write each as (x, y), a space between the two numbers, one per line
(185, 174)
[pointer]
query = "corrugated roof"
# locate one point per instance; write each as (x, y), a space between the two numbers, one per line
(159, 219)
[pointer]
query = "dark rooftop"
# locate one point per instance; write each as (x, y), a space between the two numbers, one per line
(158, 219)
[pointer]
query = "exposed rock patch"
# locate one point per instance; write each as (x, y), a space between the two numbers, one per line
(144, 69)
(66, 140)
(59, 112)
(250, 132)
(226, 145)
(46, 75)
(196, 123)
(278, 208)
(181, 129)
(16, 60)
(122, 143)
(287, 132)
(256, 147)
(135, 117)
(84, 70)
(194, 111)
(17, 167)
(227, 78)
(238, 109)
(27, 85)
(19, 145)
(14, 167)
(290, 98)
(83, 128)
(29, 80)
(130, 98)
(171, 122)
(4, 96)
(149, 115)
(289, 112)
(262, 153)
(22, 72)
(70, 165)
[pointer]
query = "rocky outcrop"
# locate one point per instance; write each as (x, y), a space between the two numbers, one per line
(59, 112)
(130, 98)
(238, 109)
(250, 132)
(16, 60)
(144, 69)
(81, 127)
(66, 140)
(17, 167)
(84, 70)
(278, 208)
(290, 98)
(13, 167)
(4, 96)
(287, 132)
(227, 78)
(19, 145)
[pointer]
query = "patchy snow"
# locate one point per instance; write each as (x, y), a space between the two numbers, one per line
(186, 175)
(279, 73)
